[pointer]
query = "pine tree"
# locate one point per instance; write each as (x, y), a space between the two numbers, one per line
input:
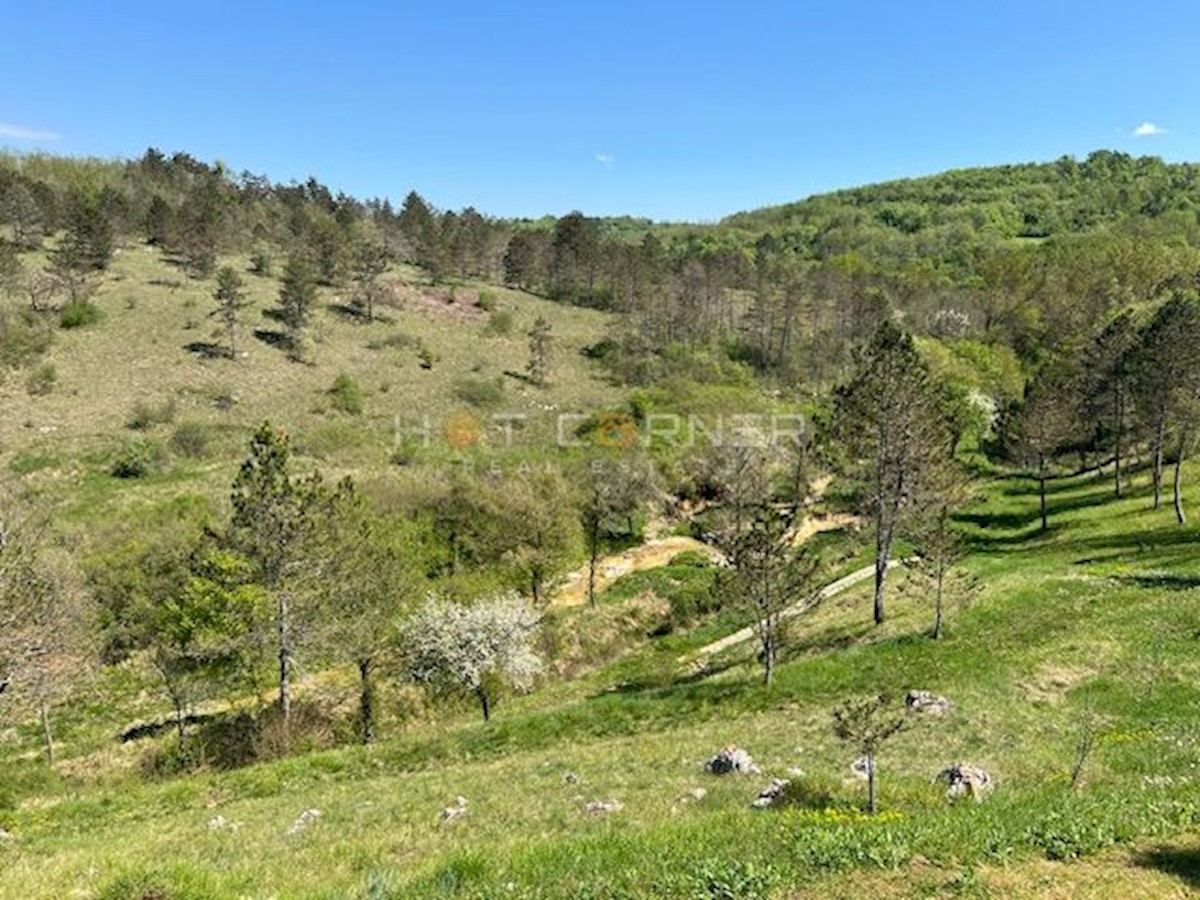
(297, 296)
(275, 515)
(231, 300)
(889, 429)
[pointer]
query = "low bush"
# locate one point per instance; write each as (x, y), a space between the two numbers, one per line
(78, 313)
(480, 392)
(346, 395)
(137, 459)
(500, 323)
(146, 415)
(191, 440)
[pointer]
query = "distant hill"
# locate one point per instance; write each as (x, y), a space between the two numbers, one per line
(1032, 200)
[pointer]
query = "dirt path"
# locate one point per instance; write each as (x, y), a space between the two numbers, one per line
(658, 552)
(650, 555)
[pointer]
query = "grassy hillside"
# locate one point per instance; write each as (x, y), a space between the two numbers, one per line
(154, 360)
(1088, 629)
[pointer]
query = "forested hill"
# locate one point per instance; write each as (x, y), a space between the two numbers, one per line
(964, 206)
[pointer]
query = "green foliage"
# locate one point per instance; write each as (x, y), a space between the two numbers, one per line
(500, 323)
(262, 263)
(687, 586)
(191, 440)
(230, 298)
(297, 297)
(346, 395)
(78, 314)
(23, 337)
(479, 392)
(173, 883)
(137, 459)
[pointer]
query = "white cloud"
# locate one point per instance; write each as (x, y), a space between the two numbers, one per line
(605, 159)
(21, 133)
(1148, 129)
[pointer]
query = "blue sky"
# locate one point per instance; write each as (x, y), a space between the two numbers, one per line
(669, 110)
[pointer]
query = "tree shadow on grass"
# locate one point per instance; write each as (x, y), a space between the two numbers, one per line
(207, 350)
(1163, 581)
(1183, 863)
(276, 339)
(354, 314)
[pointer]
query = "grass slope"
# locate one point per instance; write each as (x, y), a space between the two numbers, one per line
(156, 345)
(1095, 621)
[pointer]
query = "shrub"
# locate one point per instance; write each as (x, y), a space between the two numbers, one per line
(261, 263)
(480, 392)
(190, 440)
(500, 323)
(346, 394)
(486, 301)
(427, 357)
(146, 415)
(23, 337)
(136, 459)
(42, 379)
(78, 313)
(692, 559)
(178, 883)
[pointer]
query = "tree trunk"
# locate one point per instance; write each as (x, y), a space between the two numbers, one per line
(285, 662)
(937, 621)
(1042, 491)
(366, 700)
(1120, 422)
(1159, 439)
(768, 653)
(180, 720)
(47, 732)
(485, 703)
(882, 553)
(1180, 517)
(593, 557)
(872, 790)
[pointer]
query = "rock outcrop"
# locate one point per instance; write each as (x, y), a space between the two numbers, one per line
(732, 759)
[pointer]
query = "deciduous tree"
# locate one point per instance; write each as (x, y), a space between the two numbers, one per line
(478, 647)
(761, 502)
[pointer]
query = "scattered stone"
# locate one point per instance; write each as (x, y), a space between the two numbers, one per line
(450, 813)
(795, 771)
(698, 794)
(771, 794)
(303, 820)
(928, 702)
(601, 807)
(732, 759)
(861, 768)
(220, 823)
(570, 778)
(5, 835)
(965, 780)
